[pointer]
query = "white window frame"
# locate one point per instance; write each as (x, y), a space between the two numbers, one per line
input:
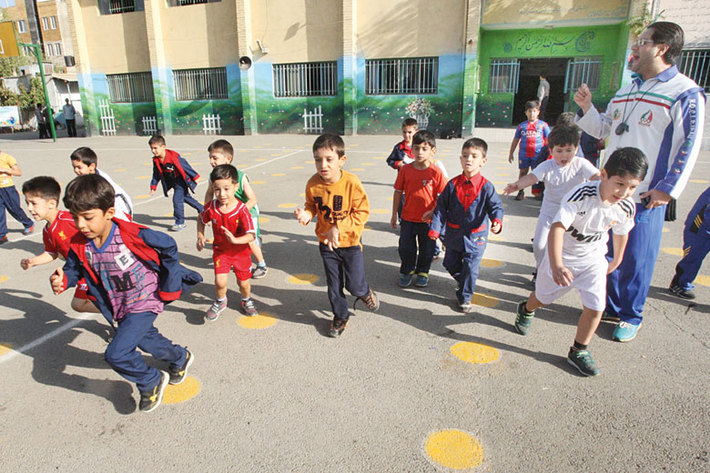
(695, 63)
(45, 23)
(131, 87)
(306, 79)
(208, 83)
(21, 26)
(49, 49)
(53, 22)
(504, 76)
(402, 76)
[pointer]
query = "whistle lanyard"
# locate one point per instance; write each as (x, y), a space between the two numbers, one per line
(623, 126)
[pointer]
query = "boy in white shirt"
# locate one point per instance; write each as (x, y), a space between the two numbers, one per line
(560, 175)
(577, 247)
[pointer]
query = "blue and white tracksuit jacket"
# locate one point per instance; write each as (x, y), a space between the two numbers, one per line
(665, 117)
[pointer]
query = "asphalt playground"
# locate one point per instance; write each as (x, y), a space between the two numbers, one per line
(416, 387)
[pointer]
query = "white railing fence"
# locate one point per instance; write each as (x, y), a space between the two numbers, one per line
(211, 124)
(108, 122)
(313, 121)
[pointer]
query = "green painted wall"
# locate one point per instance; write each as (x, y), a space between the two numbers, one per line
(608, 42)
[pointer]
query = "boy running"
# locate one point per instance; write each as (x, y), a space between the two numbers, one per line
(532, 135)
(9, 198)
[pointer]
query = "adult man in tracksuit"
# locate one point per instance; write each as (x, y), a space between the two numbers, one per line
(661, 113)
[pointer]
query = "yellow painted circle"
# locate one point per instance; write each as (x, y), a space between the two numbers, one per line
(177, 393)
(390, 198)
(454, 449)
(379, 211)
(256, 182)
(484, 300)
(302, 278)
(5, 348)
(4, 278)
(168, 214)
(310, 161)
(357, 169)
(263, 320)
(702, 280)
(491, 263)
(287, 205)
(471, 352)
(275, 154)
(666, 229)
(278, 174)
(500, 183)
(296, 167)
(368, 164)
(142, 196)
(261, 160)
(698, 181)
(495, 238)
(673, 251)
(264, 219)
(142, 177)
(120, 170)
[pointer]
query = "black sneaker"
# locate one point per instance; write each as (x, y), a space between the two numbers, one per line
(370, 299)
(337, 327)
(259, 272)
(523, 319)
(249, 307)
(676, 290)
(179, 373)
(609, 317)
(152, 399)
(583, 361)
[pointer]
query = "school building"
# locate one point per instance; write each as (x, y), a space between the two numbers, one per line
(349, 66)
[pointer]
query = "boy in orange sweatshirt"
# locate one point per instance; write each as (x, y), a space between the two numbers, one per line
(339, 201)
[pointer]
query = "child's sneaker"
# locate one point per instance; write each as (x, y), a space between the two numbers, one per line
(152, 399)
(405, 280)
(520, 196)
(3, 239)
(216, 309)
(259, 272)
(583, 361)
(676, 290)
(625, 332)
(422, 280)
(370, 299)
(177, 227)
(523, 319)
(609, 317)
(337, 327)
(249, 307)
(466, 307)
(28, 230)
(179, 373)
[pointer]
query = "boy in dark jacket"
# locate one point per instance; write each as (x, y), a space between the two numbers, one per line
(173, 172)
(130, 272)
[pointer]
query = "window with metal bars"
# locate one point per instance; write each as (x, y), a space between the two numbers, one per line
(402, 76)
(130, 88)
(21, 26)
(504, 76)
(201, 84)
(307, 79)
(695, 63)
(583, 71)
(182, 3)
(115, 7)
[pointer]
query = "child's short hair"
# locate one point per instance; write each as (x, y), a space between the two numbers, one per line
(223, 146)
(627, 161)
(424, 136)
(562, 136)
(86, 155)
(45, 187)
(224, 171)
(156, 140)
(330, 141)
(89, 192)
(531, 104)
(565, 119)
(476, 143)
(410, 122)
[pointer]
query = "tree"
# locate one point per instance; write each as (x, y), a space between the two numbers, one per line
(35, 95)
(7, 97)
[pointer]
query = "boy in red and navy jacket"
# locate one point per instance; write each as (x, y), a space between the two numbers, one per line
(131, 272)
(173, 172)
(464, 207)
(402, 152)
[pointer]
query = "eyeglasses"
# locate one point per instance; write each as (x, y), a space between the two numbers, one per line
(642, 42)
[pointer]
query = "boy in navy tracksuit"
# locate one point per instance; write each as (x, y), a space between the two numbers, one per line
(696, 244)
(174, 172)
(402, 152)
(131, 272)
(464, 208)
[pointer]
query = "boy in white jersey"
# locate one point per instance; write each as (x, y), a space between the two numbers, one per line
(577, 245)
(560, 175)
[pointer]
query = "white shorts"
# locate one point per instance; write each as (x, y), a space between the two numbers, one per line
(589, 280)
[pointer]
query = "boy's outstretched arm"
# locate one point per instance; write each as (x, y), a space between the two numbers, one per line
(303, 216)
(525, 181)
(396, 201)
(249, 192)
(561, 275)
(38, 260)
(619, 244)
(200, 235)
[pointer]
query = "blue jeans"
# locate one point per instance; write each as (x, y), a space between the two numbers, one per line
(464, 268)
(416, 249)
(137, 331)
(182, 196)
(10, 201)
(695, 248)
(344, 268)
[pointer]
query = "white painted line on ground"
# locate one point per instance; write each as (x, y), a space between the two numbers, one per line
(16, 351)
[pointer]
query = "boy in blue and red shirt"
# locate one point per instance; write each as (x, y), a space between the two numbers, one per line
(131, 272)
(464, 208)
(532, 136)
(173, 172)
(402, 152)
